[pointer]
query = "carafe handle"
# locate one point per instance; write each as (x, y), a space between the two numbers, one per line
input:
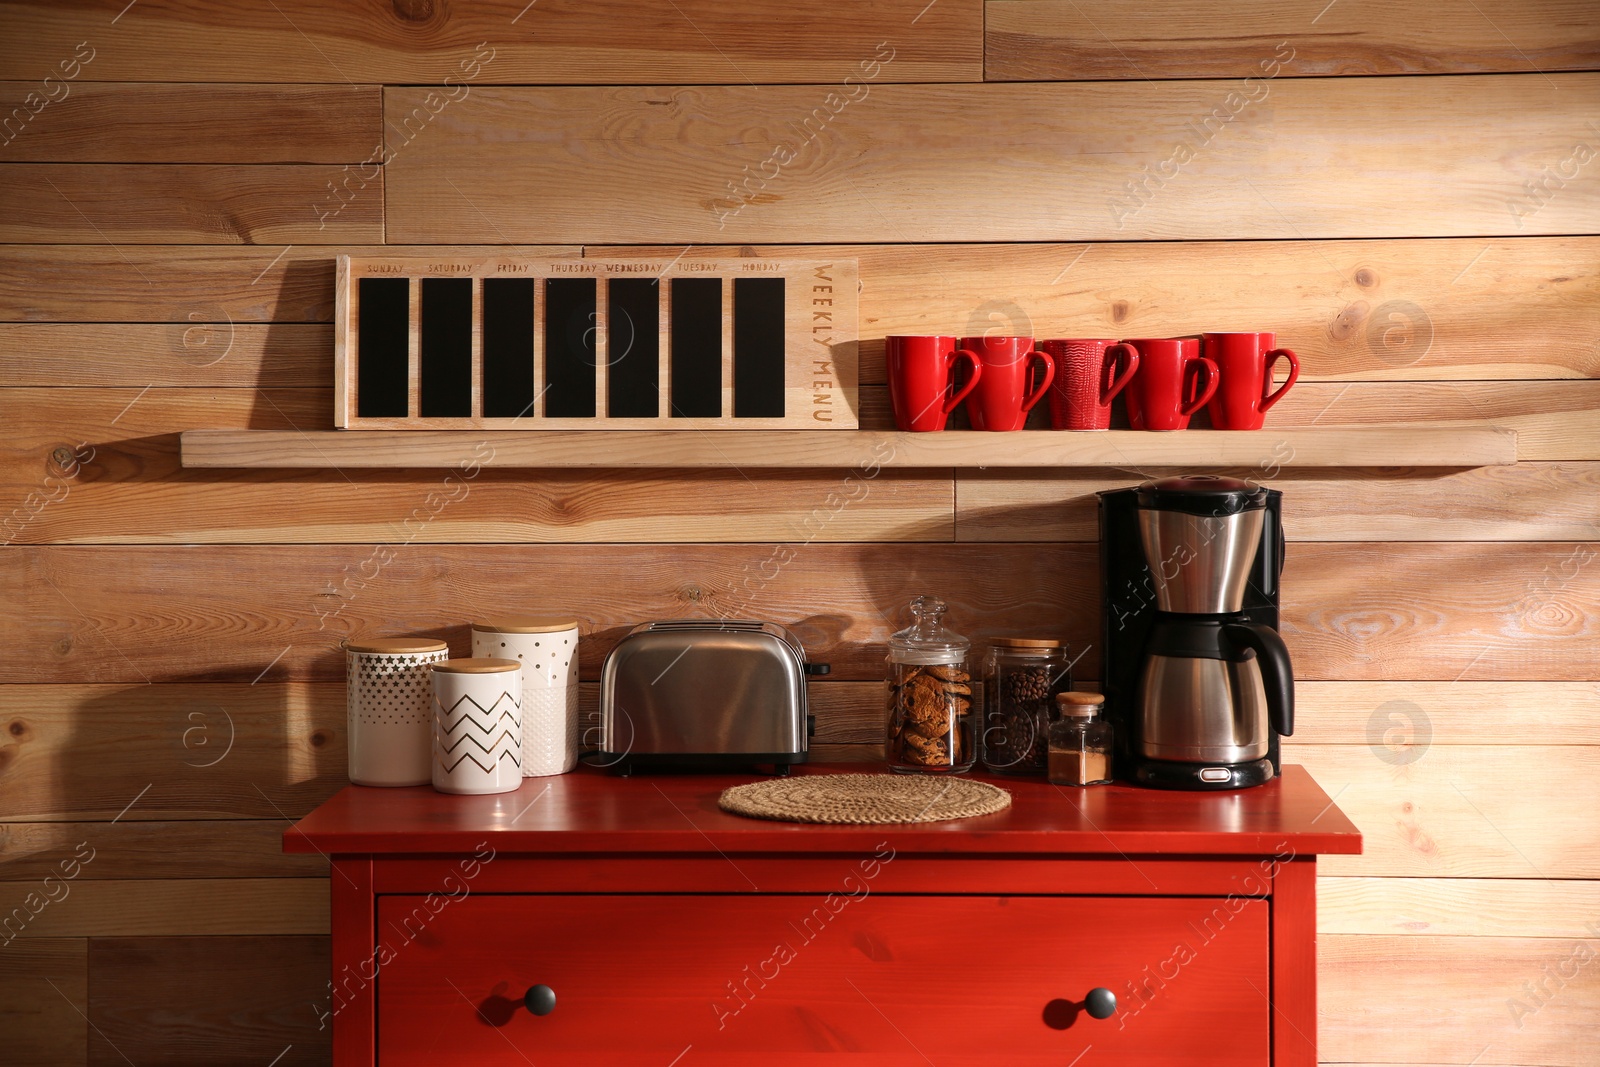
(1276, 674)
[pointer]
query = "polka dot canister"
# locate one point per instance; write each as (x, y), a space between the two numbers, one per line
(389, 700)
(547, 648)
(477, 725)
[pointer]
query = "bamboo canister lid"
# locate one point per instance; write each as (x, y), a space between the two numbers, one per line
(1025, 642)
(395, 646)
(525, 624)
(1079, 699)
(477, 666)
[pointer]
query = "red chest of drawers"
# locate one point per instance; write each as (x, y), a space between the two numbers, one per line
(647, 926)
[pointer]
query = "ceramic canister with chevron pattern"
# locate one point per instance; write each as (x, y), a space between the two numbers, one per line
(389, 698)
(477, 725)
(547, 647)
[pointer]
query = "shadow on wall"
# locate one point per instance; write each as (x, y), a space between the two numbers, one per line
(169, 790)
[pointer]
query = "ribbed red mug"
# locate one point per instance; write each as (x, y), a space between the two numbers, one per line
(1089, 373)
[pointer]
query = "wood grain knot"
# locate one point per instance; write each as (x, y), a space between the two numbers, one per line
(1418, 838)
(1366, 278)
(1348, 323)
(17, 728)
(1120, 310)
(318, 739)
(414, 10)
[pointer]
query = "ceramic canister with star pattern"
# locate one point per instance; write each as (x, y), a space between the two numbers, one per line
(547, 648)
(389, 696)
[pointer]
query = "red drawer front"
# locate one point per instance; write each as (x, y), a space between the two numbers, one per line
(772, 980)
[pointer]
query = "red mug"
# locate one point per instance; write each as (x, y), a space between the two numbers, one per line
(1173, 382)
(1245, 362)
(1002, 400)
(1088, 375)
(920, 380)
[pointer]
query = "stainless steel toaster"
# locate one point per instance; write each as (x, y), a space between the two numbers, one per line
(713, 694)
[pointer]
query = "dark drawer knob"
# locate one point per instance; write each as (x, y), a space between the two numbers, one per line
(541, 1000)
(1101, 1003)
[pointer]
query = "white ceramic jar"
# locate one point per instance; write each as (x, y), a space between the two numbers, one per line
(389, 705)
(477, 725)
(547, 648)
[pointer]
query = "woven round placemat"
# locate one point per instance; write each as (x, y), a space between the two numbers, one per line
(864, 798)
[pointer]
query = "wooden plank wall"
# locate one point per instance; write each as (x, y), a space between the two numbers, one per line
(180, 175)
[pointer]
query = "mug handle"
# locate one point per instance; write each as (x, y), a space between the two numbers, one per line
(972, 382)
(1044, 386)
(1269, 399)
(1110, 383)
(1209, 379)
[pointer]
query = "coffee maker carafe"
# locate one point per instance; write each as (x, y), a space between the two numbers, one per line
(1200, 679)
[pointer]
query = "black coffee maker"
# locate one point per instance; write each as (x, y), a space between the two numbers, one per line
(1197, 680)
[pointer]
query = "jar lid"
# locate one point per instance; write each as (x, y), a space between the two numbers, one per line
(926, 640)
(1026, 642)
(525, 624)
(1201, 494)
(480, 665)
(1080, 705)
(395, 646)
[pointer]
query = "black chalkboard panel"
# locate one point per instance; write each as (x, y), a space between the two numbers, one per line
(758, 356)
(508, 347)
(569, 347)
(696, 384)
(446, 385)
(383, 332)
(633, 356)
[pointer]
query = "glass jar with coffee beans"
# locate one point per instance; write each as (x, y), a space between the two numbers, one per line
(1022, 675)
(929, 696)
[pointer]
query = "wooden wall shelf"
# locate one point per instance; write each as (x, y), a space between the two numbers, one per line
(1432, 445)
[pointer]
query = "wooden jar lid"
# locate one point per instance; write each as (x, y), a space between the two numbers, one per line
(1079, 699)
(395, 646)
(480, 665)
(525, 624)
(1025, 642)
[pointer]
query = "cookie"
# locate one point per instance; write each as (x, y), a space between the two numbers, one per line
(932, 751)
(925, 700)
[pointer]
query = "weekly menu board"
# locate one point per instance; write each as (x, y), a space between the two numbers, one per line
(505, 342)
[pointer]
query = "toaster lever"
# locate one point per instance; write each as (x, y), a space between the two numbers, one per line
(819, 668)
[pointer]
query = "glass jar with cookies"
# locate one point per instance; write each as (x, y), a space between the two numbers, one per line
(931, 720)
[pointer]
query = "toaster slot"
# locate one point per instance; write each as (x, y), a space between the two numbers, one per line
(744, 625)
